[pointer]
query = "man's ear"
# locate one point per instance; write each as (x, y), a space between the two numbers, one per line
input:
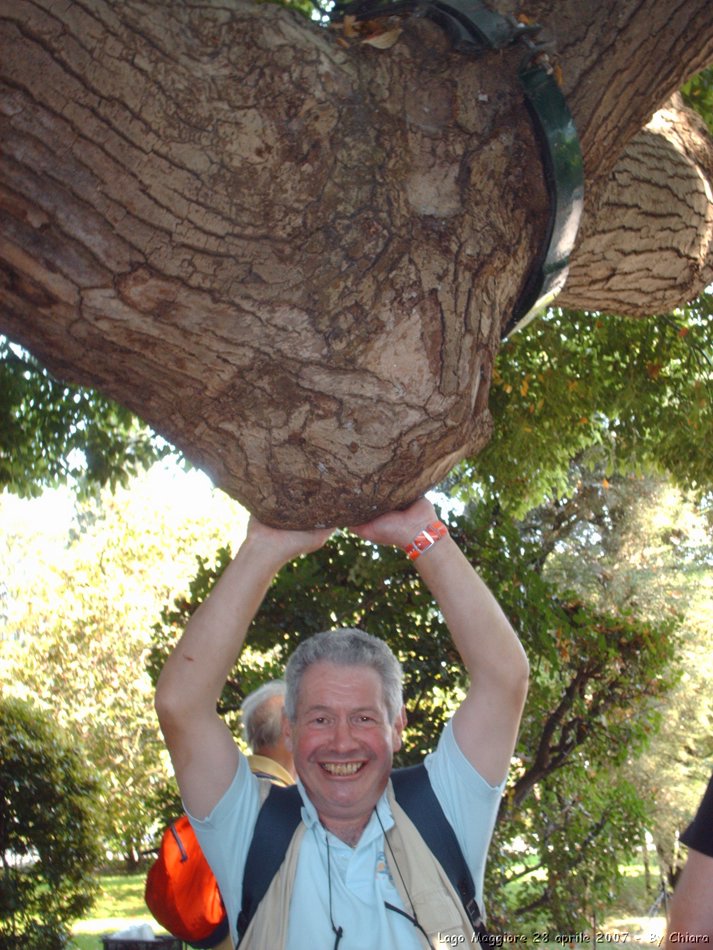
(287, 731)
(399, 726)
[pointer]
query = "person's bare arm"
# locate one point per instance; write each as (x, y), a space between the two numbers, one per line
(487, 722)
(691, 912)
(202, 748)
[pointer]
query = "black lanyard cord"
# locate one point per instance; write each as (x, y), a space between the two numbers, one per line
(337, 931)
(414, 921)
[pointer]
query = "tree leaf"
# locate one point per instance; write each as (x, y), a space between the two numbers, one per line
(384, 40)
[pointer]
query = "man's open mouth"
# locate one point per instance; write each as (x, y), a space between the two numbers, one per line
(341, 768)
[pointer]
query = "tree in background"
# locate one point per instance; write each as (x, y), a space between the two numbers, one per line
(49, 805)
(647, 547)
(602, 393)
(77, 629)
(51, 433)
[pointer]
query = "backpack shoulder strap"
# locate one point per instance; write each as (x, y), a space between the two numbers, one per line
(277, 822)
(414, 793)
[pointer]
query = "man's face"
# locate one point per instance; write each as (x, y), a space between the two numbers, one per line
(342, 740)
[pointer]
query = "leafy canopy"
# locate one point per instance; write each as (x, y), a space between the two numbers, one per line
(698, 94)
(78, 606)
(51, 432)
(638, 391)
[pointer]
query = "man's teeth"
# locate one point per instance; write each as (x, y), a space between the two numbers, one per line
(341, 768)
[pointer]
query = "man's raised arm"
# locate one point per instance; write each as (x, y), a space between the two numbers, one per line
(202, 748)
(487, 722)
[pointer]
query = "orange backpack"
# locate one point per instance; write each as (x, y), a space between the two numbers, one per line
(181, 891)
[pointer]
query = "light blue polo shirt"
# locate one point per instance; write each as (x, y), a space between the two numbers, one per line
(357, 879)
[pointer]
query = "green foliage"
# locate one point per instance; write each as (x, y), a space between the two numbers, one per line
(562, 868)
(51, 432)
(640, 391)
(589, 712)
(698, 94)
(635, 551)
(640, 544)
(48, 802)
(598, 677)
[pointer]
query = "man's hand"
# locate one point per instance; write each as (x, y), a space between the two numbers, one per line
(275, 547)
(285, 545)
(398, 527)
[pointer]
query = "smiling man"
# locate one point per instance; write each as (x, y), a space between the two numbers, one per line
(357, 875)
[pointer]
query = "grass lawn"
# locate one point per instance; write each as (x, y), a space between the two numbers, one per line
(120, 904)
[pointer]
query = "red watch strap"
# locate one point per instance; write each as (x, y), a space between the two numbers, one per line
(426, 539)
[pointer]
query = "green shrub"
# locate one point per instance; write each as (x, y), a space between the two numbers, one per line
(48, 801)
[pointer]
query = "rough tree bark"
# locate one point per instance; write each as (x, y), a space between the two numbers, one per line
(292, 253)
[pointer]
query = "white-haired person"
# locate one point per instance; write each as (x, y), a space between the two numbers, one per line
(263, 727)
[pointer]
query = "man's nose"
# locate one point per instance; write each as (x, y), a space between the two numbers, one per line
(342, 735)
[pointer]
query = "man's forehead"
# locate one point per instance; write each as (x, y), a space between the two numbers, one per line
(329, 707)
(332, 670)
(326, 684)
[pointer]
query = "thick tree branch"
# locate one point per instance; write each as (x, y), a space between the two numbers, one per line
(646, 241)
(621, 62)
(294, 259)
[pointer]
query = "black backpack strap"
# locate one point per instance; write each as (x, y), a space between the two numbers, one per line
(414, 793)
(277, 822)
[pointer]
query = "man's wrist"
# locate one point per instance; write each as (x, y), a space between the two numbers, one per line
(425, 539)
(263, 552)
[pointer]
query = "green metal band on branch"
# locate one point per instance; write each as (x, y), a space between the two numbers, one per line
(564, 173)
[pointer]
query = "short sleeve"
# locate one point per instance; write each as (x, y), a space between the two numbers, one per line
(225, 836)
(470, 804)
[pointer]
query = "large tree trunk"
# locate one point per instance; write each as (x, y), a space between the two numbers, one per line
(293, 253)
